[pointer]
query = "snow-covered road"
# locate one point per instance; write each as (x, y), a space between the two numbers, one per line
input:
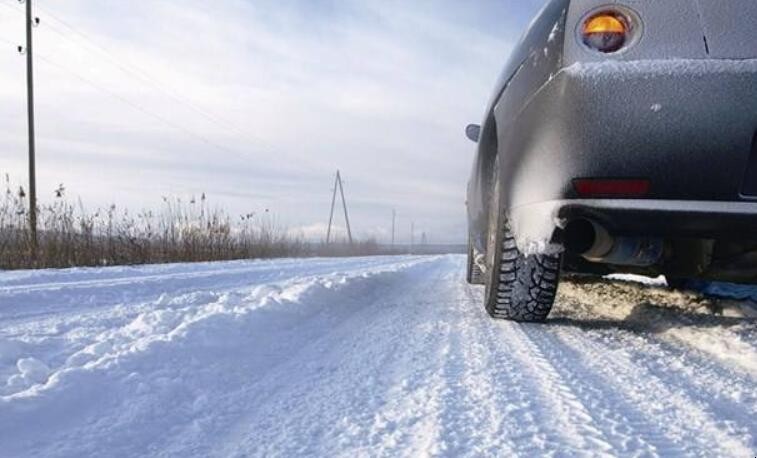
(363, 357)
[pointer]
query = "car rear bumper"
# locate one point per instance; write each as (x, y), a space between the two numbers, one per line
(539, 222)
(687, 126)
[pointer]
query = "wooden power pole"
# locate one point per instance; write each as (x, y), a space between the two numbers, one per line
(412, 237)
(30, 22)
(394, 221)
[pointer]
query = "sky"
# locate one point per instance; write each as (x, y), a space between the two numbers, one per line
(257, 103)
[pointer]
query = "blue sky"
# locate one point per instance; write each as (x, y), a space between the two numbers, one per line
(256, 103)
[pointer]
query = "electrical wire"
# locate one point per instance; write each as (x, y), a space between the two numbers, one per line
(4, 40)
(12, 7)
(136, 72)
(136, 106)
(144, 78)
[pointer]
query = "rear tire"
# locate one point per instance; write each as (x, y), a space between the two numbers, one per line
(474, 274)
(518, 287)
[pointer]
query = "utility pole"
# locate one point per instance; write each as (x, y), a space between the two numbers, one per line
(344, 204)
(30, 22)
(338, 184)
(394, 221)
(331, 213)
(412, 236)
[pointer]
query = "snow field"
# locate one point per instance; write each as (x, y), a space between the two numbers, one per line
(363, 357)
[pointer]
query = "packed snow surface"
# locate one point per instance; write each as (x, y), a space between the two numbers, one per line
(388, 356)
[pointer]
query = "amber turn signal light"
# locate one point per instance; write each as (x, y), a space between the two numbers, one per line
(606, 32)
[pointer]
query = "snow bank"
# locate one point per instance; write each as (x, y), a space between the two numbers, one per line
(119, 365)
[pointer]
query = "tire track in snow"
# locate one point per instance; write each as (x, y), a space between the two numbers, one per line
(519, 422)
(468, 416)
(626, 427)
(735, 353)
(540, 413)
(407, 422)
(730, 396)
(351, 398)
(694, 345)
(682, 419)
(571, 425)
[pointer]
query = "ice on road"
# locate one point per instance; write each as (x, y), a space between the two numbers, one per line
(386, 356)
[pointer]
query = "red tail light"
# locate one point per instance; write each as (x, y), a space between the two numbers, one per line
(602, 187)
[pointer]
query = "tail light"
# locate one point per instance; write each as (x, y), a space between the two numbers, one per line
(618, 188)
(607, 31)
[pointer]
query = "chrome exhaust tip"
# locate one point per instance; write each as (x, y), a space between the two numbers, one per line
(594, 243)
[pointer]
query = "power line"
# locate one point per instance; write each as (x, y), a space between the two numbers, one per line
(17, 10)
(139, 75)
(12, 7)
(137, 106)
(9, 42)
(146, 79)
(115, 95)
(133, 71)
(142, 76)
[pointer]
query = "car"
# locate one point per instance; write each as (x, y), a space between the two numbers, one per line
(621, 137)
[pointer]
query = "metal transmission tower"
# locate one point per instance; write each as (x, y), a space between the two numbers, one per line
(338, 184)
(31, 22)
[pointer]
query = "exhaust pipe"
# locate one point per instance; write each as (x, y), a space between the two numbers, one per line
(594, 243)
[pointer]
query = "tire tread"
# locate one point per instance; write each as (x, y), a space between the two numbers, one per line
(527, 285)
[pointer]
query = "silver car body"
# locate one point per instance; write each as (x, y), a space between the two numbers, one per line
(677, 107)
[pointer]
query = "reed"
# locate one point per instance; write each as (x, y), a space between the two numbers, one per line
(180, 231)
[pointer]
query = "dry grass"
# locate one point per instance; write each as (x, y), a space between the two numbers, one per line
(181, 231)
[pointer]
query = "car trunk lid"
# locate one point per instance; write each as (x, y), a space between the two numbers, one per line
(730, 28)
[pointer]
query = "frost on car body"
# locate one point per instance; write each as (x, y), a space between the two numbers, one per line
(623, 136)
